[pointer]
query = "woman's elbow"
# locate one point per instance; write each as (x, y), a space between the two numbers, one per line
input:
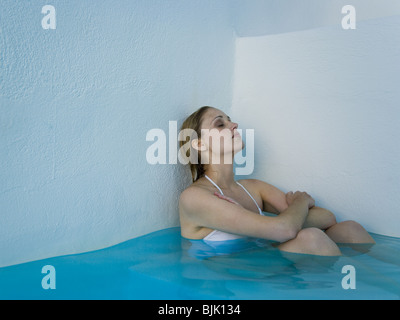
(288, 234)
(285, 233)
(331, 220)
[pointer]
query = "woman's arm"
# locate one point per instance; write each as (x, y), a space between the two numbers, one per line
(204, 209)
(274, 201)
(320, 218)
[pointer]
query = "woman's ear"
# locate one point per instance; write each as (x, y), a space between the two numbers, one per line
(198, 145)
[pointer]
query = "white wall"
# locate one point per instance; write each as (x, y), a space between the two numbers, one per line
(324, 104)
(262, 17)
(76, 104)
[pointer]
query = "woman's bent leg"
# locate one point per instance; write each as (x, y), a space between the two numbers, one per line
(311, 241)
(349, 232)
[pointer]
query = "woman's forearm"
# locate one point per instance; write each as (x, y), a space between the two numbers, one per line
(319, 218)
(295, 215)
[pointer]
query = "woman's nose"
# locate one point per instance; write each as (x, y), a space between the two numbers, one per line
(234, 126)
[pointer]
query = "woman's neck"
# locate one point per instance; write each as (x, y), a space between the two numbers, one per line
(221, 174)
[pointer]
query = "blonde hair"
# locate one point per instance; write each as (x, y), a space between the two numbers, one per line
(194, 122)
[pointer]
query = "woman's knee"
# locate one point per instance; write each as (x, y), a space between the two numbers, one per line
(351, 225)
(312, 241)
(318, 242)
(310, 234)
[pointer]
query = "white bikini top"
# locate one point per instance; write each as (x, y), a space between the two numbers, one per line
(217, 235)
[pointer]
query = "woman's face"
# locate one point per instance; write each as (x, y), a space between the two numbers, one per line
(219, 135)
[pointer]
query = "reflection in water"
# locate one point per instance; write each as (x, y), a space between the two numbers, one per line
(255, 269)
(252, 260)
(162, 265)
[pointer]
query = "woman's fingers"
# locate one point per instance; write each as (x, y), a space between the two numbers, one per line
(290, 197)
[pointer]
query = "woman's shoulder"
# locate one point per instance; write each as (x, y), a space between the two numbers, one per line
(254, 184)
(195, 190)
(249, 181)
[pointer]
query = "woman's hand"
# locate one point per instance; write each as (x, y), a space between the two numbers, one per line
(298, 195)
(226, 198)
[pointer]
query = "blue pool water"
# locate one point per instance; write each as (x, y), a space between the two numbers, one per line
(162, 265)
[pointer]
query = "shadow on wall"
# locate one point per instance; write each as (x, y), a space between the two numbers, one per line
(324, 107)
(267, 17)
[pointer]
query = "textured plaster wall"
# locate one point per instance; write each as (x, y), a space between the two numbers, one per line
(324, 104)
(76, 104)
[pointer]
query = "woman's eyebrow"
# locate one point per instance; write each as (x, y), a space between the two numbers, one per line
(220, 116)
(216, 118)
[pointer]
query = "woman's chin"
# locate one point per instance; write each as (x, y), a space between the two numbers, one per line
(238, 147)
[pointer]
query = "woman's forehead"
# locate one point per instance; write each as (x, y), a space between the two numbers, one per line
(212, 113)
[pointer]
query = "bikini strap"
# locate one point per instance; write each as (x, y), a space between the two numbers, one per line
(259, 210)
(215, 185)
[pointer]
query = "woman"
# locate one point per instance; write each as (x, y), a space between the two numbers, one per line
(216, 207)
